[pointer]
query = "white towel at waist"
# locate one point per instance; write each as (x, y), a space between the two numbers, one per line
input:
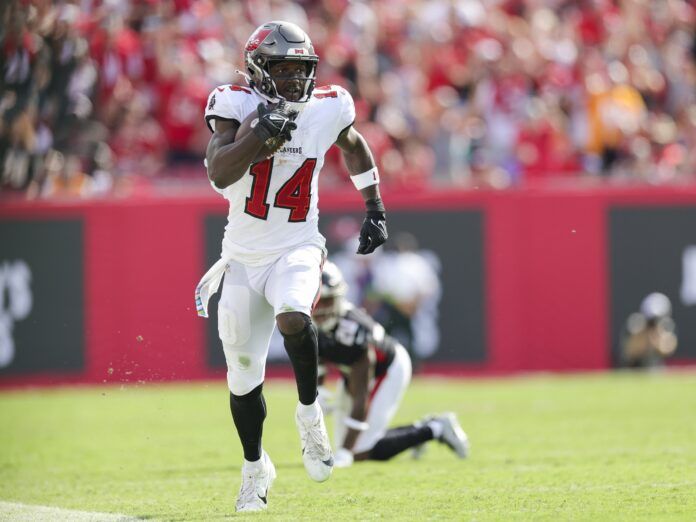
(208, 285)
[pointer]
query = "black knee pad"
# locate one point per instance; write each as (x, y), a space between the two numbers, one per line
(303, 350)
(305, 320)
(296, 344)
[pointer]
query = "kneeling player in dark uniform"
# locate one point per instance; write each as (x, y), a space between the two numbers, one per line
(376, 371)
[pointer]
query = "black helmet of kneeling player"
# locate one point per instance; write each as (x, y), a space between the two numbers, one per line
(333, 290)
(275, 42)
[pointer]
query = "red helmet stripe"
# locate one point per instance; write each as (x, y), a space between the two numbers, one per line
(257, 39)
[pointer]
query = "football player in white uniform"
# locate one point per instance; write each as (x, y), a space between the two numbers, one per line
(375, 373)
(272, 251)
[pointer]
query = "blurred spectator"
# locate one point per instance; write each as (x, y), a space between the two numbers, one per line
(138, 142)
(463, 92)
(404, 295)
(400, 285)
(650, 335)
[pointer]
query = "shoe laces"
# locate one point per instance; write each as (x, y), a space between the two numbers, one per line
(315, 441)
(249, 483)
(248, 489)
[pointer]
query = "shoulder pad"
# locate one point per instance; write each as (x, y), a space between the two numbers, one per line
(228, 102)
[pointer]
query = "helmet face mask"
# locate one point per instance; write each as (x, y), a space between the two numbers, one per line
(275, 43)
(290, 78)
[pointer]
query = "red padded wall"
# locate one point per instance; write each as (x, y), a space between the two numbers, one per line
(546, 277)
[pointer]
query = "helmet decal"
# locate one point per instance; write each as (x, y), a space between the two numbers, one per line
(257, 38)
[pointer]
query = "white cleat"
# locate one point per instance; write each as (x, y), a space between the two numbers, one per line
(453, 435)
(316, 449)
(256, 481)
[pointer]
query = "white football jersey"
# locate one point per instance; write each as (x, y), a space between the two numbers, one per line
(274, 206)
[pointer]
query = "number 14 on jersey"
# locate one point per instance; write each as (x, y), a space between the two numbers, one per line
(295, 194)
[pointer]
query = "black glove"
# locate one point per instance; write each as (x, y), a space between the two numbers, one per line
(373, 232)
(275, 123)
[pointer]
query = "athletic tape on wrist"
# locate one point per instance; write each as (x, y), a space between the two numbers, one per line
(371, 177)
(355, 424)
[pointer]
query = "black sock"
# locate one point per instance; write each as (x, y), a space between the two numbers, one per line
(397, 440)
(248, 413)
(303, 350)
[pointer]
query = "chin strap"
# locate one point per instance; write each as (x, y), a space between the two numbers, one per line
(246, 76)
(251, 84)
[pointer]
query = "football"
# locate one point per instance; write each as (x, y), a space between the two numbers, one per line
(269, 148)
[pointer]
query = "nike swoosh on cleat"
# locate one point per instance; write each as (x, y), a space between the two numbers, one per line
(263, 499)
(329, 462)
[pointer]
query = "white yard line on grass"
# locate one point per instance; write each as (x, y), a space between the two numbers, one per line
(16, 512)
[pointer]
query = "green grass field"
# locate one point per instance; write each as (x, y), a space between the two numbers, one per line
(587, 447)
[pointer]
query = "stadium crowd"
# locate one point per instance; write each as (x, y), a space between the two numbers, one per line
(97, 94)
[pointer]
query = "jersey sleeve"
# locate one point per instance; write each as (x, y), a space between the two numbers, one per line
(347, 117)
(228, 103)
(346, 107)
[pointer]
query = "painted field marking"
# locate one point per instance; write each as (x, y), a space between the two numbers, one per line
(16, 512)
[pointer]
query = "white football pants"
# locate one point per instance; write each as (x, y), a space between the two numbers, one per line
(251, 298)
(386, 396)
